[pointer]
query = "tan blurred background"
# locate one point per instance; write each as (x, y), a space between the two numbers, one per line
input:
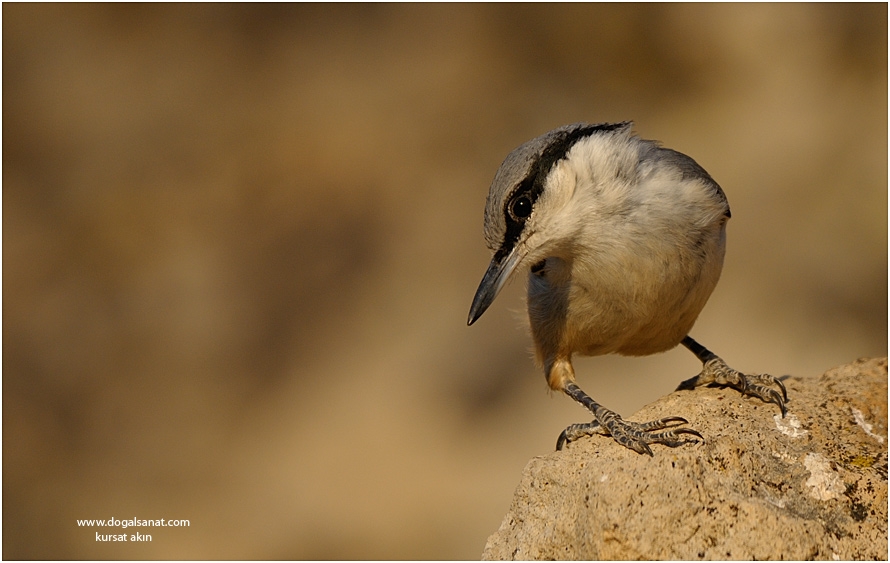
(240, 244)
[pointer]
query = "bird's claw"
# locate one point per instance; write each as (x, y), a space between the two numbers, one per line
(634, 435)
(756, 385)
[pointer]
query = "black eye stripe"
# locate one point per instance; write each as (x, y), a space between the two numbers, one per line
(528, 190)
(532, 185)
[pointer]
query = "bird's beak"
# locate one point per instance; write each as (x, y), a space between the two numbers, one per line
(497, 274)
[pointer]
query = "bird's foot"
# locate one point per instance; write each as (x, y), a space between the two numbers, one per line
(634, 435)
(763, 386)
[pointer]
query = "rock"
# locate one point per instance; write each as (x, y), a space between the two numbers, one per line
(810, 486)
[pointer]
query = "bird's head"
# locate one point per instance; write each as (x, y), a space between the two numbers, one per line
(524, 219)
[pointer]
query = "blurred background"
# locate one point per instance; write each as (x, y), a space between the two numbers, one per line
(240, 244)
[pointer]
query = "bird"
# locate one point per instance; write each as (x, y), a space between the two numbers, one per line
(623, 242)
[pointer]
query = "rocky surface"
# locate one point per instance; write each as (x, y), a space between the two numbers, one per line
(810, 486)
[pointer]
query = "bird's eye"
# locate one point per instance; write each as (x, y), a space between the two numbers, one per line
(521, 208)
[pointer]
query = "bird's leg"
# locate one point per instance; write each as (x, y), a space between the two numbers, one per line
(634, 435)
(715, 371)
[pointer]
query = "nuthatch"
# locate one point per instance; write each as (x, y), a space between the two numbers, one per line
(623, 241)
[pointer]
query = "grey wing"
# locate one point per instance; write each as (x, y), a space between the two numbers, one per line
(691, 170)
